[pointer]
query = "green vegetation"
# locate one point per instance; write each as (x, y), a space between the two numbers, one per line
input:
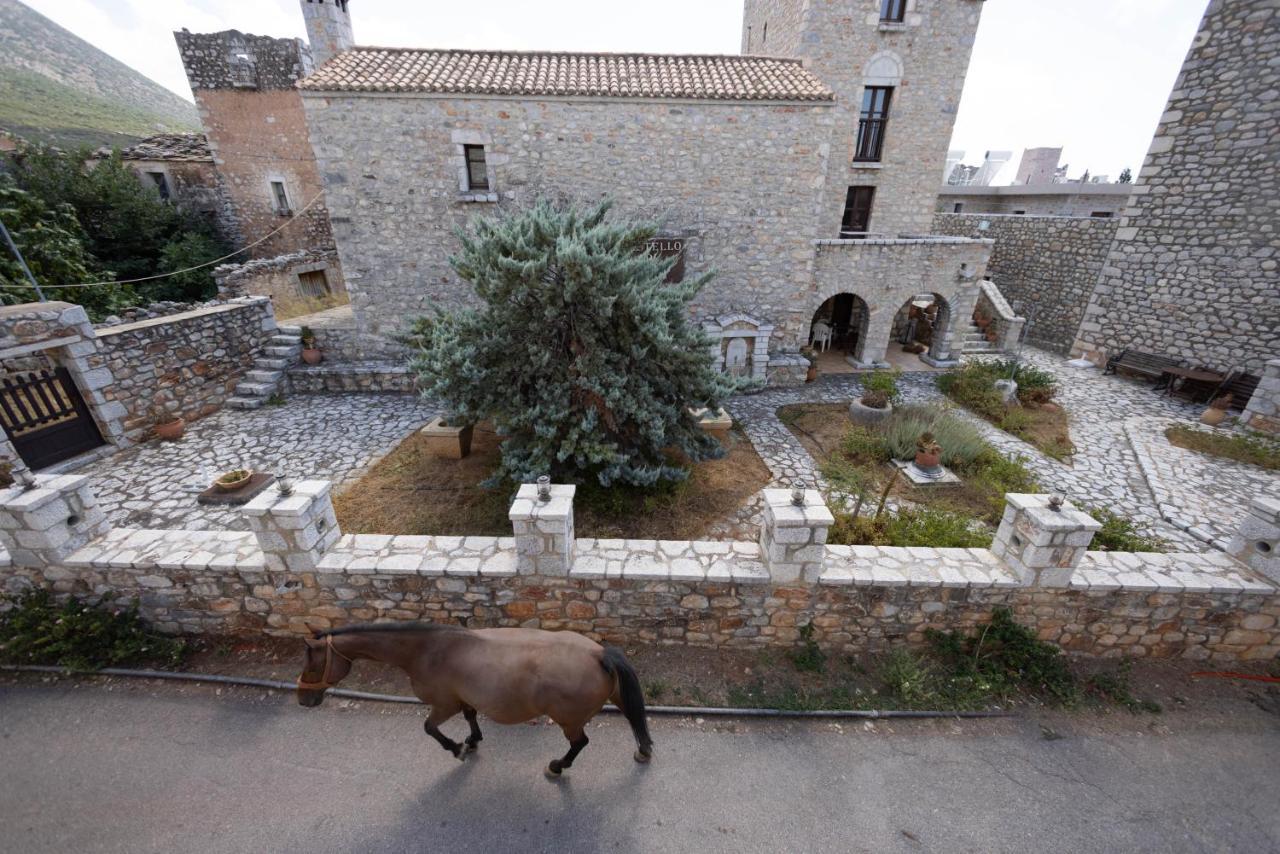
(1038, 420)
(37, 630)
(593, 376)
(1256, 449)
(1119, 534)
(880, 388)
(111, 226)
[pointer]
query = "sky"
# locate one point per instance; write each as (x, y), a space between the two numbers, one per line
(1091, 76)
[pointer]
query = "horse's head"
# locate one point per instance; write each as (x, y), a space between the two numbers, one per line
(322, 668)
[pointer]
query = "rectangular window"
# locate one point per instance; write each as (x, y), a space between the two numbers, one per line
(313, 283)
(1101, 214)
(161, 185)
(477, 168)
(872, 123)
(893, 11)
(959, 207)
(857, 212)
(280, 197)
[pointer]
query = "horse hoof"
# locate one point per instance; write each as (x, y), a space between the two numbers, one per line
(552, 774)
(642, 757)
(468, 747)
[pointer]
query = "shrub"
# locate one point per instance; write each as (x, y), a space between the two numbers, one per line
(37, 630)
(884, 384)
(1015, 421)
(1120, 534)
(865, 445)
(961, 442)
(938, 529)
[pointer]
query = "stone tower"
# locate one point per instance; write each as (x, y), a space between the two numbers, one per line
(328, 28)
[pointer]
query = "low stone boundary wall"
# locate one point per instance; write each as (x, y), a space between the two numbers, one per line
(372, 377)
(341, 344)
(296, 572)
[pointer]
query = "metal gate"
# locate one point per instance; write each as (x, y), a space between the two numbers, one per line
(45, 418)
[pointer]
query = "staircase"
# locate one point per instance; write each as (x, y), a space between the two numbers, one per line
(264, 379)
(974, 341)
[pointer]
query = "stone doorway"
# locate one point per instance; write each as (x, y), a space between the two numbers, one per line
(924, 323)
(840, 325)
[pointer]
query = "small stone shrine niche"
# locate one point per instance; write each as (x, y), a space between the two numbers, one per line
(742, 345)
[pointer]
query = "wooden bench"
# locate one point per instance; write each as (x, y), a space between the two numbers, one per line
(1240, 386)
(1138, 362)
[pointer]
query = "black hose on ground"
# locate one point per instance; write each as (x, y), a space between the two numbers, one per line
(250, 682)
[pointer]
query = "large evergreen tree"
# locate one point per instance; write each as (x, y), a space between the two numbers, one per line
(579, 352)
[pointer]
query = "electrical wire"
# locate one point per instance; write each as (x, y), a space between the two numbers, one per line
(292, 219)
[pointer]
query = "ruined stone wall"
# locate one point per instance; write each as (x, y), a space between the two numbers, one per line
(253, 118)
(193, 186)
(185, 364)
(1046, 267)
(736, 181)
(1193, 270)
(277, 278)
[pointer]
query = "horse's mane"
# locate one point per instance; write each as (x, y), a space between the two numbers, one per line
(413, 626)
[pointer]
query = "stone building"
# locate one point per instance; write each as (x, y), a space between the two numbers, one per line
(1068, 199)
(1192, 272)
(245, 88)
(180, 168)
(804, 172)
(1038, 165)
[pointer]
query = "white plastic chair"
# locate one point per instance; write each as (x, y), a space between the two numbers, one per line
(820, 336)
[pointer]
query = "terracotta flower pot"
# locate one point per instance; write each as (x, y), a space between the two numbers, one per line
(233, 480)
(927, 461)
(1213, 417)
(171, 431)
(811, 374)
(312, 356)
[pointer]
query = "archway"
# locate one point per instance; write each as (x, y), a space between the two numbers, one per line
(923, 326)
(840, 325)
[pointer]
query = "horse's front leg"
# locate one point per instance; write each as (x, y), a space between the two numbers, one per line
(473, 740)
(440, 714)
(577, 740)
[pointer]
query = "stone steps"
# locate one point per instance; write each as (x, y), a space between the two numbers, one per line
(263, 381)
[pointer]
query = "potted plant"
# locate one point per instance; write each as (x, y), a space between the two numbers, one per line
(232, 480)
(879, 389)
(447, 438)
(310, 353)
(1217, 411)
(809, 354)
(167, 427)
(928, 452)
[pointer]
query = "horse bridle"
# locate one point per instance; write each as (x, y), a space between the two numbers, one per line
(323, 683)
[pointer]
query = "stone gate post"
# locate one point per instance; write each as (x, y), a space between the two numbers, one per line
(1042, 540)
(1257, 540)
(793, 535)
(59, 514)
(542, 519)
(294, 530)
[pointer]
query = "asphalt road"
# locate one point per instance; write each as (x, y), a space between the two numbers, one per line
(135, 767)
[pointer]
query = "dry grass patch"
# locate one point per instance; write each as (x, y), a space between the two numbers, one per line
(1252, 448)
(411, 492)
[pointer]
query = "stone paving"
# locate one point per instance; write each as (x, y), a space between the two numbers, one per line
(1105, 471)
(333, 437)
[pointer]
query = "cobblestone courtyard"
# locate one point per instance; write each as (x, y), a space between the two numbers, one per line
(1123, 461)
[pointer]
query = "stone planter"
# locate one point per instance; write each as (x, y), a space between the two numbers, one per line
(446, 441)
(863, 414)
(172, 431)
(715, 424)
(312, 356)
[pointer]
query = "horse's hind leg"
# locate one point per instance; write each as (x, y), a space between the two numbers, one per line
(577, 740)
(439, 715)
(473, 740)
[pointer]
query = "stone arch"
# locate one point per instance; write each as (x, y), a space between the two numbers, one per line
(931, 325)
(851, 331)
(883, 69)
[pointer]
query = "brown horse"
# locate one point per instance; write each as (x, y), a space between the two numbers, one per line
(509, 675)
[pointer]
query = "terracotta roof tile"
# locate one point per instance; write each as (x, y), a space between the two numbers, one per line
(614, 75)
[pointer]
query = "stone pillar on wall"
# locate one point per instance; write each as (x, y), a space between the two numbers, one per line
(41, 526)
(1257, 541)
(1041, 544)
(793, 537)
(1263, 411)
(543, 526)
(294, 530)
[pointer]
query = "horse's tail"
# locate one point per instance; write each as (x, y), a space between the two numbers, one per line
(632, 705)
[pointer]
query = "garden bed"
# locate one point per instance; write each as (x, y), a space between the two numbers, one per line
(1037, 419)
(1252, 448)
(856, 459)
(412, 492)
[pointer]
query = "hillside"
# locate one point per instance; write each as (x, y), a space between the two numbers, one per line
(57, 88)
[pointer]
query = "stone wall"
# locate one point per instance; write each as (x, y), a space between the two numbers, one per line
(1193, 272)
(1263, 411)
(185, 364)
(295, 572)
(1079, 200)
(193, 187)
(277, 278)
(1045, 266)
(257, 132)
